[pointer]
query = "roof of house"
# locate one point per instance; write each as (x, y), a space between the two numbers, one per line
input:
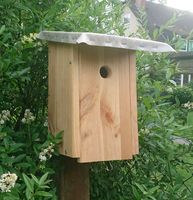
(182, 55)
(159, 14)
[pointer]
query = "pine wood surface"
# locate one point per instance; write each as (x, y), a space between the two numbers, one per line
(133, 91)
(63, 99)
(105, 123)
(98, 115)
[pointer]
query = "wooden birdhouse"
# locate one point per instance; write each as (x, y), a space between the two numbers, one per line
(92, 93)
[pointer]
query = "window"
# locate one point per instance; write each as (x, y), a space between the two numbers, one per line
(183, 79)
(183, 44)
(190, 45)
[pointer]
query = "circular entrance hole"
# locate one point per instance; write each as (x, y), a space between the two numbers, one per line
(104, 71)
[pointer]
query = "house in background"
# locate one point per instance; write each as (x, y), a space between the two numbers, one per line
(157, 16)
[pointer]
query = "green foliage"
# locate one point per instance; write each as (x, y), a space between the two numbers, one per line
(190, 85)
(190, 118)
(162, 170)
(20, 153)
(182, 95)
(35, 189)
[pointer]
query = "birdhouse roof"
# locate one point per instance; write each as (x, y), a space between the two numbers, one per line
(104, 40)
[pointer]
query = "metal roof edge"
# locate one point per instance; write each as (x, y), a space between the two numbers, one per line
(104, 40)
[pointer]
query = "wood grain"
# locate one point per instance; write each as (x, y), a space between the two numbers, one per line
(73, 180)
(133, 96)
(63, 102)
(105, 107)
(98, 115)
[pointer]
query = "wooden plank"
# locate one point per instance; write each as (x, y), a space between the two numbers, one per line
(75, 102)
(73, 180)
(63, 102)
(105, 125)
(125, 105)
(110, 106)
(91, 136)
(133, 91)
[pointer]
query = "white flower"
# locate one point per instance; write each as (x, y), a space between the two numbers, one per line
(188, 105)
(23, 120)
(7, 181)
(32, 118)
(46, 123)
(42, 157)
(2, 122)
(46, 153)
(4, 116)
(28, 117)
(6, 112)
(29, 38)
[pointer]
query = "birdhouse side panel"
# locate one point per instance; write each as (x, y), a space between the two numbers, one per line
(63, 99)
(133, 91)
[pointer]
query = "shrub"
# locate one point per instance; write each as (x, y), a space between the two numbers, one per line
(162, 170)
(182, 95)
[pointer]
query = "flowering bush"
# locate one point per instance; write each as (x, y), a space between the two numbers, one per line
(25, 153)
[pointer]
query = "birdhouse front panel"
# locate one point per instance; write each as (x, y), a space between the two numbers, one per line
(108, 119)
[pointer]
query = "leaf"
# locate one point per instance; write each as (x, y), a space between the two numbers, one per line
(173, 82)
(2, 29)
(43, 194)
(19, 158)
(190, 118)
(35, 179)
(44, 186)
(43, 179)
(28, 194)
(152, 190)
(171, 120)
(16, 147)
(20, 73)
(2, 135)
(29, 183)
(136, 193)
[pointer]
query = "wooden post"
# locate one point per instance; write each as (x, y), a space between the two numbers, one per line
(74, 180)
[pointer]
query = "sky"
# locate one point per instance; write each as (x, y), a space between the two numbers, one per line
(181, 4)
